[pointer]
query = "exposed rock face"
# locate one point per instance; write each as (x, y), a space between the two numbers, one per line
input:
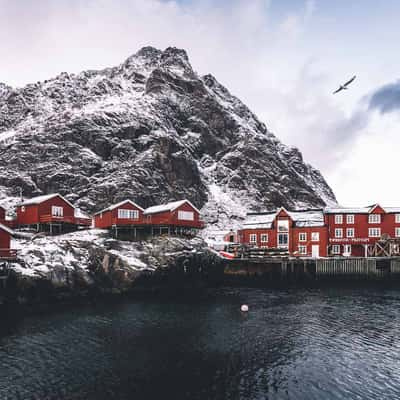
(153, 130)
(87, 261)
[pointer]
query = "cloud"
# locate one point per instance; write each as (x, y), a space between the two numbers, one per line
(283, 59)
(386, 99)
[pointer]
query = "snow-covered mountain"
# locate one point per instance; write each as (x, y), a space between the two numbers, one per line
(153, 130)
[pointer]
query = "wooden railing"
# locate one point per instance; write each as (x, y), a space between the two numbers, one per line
(53, 218)
(172, 222)
(8, 254)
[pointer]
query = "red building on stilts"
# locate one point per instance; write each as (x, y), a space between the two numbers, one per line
(51, 213)
(123, 216)
(175, 217)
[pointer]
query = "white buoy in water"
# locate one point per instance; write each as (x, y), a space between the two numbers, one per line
(244, 308)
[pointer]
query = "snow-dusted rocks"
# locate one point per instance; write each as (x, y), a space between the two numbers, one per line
(151, 130)
(90, 259)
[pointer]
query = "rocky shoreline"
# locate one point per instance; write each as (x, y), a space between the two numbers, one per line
(90, 264)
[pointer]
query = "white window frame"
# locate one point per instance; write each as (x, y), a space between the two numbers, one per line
(336, 249)
(350, 219)
(374, 232)
(22, 208)
(374, 218)
(264, 238)
(315, 236)
(281, 245)
(302, 250)
(57, 211)
(397, 232)
(185, 215)
(338, 219)
(348, 234)
(283, 225)
(338, 233)
(125, 213)
(253, 238)
(302, 237)
(345, 248)
(397, 219)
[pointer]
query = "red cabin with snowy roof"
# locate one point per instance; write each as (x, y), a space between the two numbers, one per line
(51, 210)
(125, 213)
(177, 214)
(300, 233)
(6, 253)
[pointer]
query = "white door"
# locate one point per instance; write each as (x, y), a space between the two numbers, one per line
(315, 250)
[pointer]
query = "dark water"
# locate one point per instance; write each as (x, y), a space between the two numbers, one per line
(319, 344)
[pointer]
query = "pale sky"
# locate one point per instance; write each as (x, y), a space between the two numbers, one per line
(283, 58)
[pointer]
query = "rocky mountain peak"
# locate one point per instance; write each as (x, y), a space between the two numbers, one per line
(152, 130)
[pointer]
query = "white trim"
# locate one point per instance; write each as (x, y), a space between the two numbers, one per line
(57, 211)
(375, 206)
(315, 237)
(350, 230)
(264, 237)
(397, 219)
(347, 250)
(374, 232)
(336, 249)
(350, 219)
(337, 230)
(302, 249)
(302, 236)
(127, 213)
(397, 232)
(251, 237)
(338, 219)
(372, 217)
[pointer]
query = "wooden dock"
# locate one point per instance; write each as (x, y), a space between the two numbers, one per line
(309, 269)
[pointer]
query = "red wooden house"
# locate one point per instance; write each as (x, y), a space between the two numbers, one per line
(300, 233)
(49, 212)
(125, 214)
(178, 216)
(355, 231)
(6, 253)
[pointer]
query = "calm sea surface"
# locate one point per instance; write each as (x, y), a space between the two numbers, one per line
(297, 344)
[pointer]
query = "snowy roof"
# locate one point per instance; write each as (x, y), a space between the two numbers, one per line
(359, 210)
(392, 209)
(114, 206)
(78, 213)
(41, 199)
(306, 218)
(7, 229)
(168, 207)
(262, 220)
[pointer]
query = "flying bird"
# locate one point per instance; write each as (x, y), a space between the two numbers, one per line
(344, 86)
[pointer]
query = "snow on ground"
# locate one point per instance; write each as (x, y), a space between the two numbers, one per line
(48, 255)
